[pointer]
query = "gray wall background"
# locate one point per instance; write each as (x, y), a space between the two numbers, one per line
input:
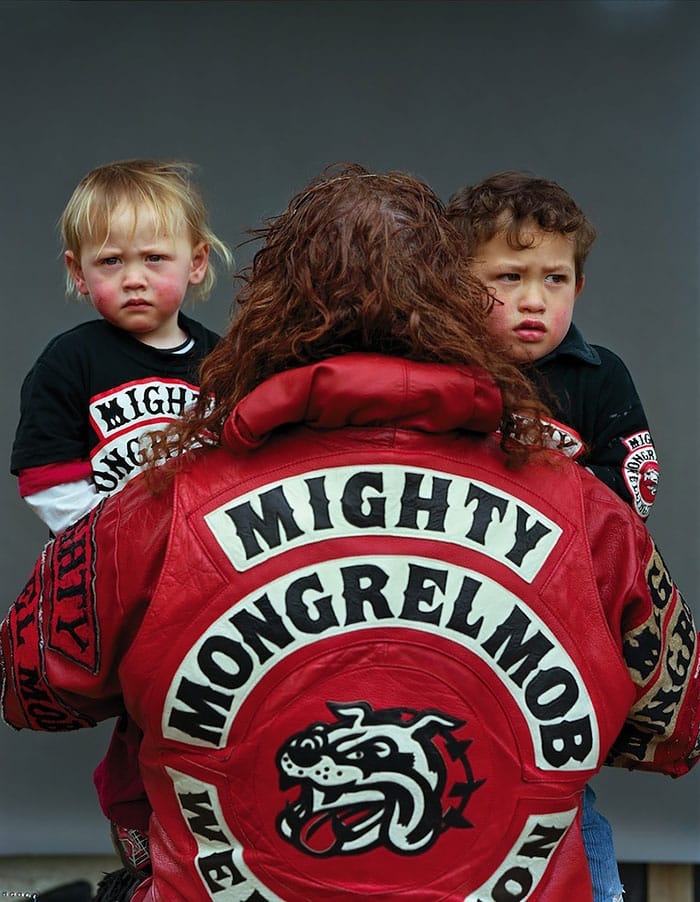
(601, 95)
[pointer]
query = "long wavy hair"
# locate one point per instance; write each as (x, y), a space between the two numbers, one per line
(358, 261)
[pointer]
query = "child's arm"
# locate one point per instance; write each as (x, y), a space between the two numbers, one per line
(59, 503)
(600, 402)
(50, 450)
(622, 453)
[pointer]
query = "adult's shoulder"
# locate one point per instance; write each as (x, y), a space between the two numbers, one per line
(615, 531)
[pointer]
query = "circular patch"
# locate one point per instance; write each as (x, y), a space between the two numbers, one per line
(640, 469)
(648, 481)
(379, 771)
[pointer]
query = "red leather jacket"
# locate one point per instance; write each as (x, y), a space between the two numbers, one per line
(368, 659)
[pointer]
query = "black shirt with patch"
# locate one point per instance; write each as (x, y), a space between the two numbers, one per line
(97, 360)
(589, 388)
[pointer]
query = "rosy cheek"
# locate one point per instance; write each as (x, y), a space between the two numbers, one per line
(170, 290)
(563, 318)
(497, 320)
(101, 304)
(100, 294)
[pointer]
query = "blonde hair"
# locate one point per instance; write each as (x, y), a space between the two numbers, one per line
(164, 186)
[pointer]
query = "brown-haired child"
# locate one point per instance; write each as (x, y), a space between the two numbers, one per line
(528, 240)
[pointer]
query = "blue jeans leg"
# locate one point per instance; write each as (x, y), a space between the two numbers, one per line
(600, 851)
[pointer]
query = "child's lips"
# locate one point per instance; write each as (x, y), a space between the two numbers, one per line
(137, 303)
(530, 330)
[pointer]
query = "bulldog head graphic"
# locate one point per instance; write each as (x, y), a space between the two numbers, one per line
(373, 778)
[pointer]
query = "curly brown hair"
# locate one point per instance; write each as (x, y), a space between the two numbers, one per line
(358, 261)
(510, 202)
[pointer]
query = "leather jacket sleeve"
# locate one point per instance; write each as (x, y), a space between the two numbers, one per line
(659, 643)
(62, 641)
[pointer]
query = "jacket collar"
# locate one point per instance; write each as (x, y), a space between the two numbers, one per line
(367, 390)
(573, 345)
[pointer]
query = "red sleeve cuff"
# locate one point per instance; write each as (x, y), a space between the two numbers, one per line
(36, 479)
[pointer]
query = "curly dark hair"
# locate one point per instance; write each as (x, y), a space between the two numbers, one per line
(510, 202)
(358, 261)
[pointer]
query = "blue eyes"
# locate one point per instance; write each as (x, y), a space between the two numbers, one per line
(113, 261)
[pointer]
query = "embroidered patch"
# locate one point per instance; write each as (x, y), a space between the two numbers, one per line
(41, 707)
(670, 623)
(374, 778)
(558, 437)
(564, 438)
(72, 627)
(640, 470)
(347, 698)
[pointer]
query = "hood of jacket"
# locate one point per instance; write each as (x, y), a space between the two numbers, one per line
(367, 390)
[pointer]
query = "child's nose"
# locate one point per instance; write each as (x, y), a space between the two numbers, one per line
(133, 275)
(532, 298)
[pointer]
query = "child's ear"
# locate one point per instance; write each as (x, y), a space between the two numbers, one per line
(579, 285)
(76, 272)
(199, 263)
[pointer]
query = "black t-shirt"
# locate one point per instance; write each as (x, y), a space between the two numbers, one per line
(95, 389)
(589, 388)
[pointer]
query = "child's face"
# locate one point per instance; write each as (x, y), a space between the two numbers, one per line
(537, 289)
(138, 278)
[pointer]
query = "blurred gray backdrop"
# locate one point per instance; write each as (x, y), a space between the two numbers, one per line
(601, 95)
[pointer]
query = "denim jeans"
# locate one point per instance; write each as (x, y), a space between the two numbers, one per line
(600, 851)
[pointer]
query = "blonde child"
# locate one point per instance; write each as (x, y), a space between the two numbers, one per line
(136, 240)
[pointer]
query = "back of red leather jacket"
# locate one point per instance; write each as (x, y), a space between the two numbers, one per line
(368, 659)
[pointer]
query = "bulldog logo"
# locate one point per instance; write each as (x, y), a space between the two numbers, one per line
(641, 471)
(375, 778)
(649, 481)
